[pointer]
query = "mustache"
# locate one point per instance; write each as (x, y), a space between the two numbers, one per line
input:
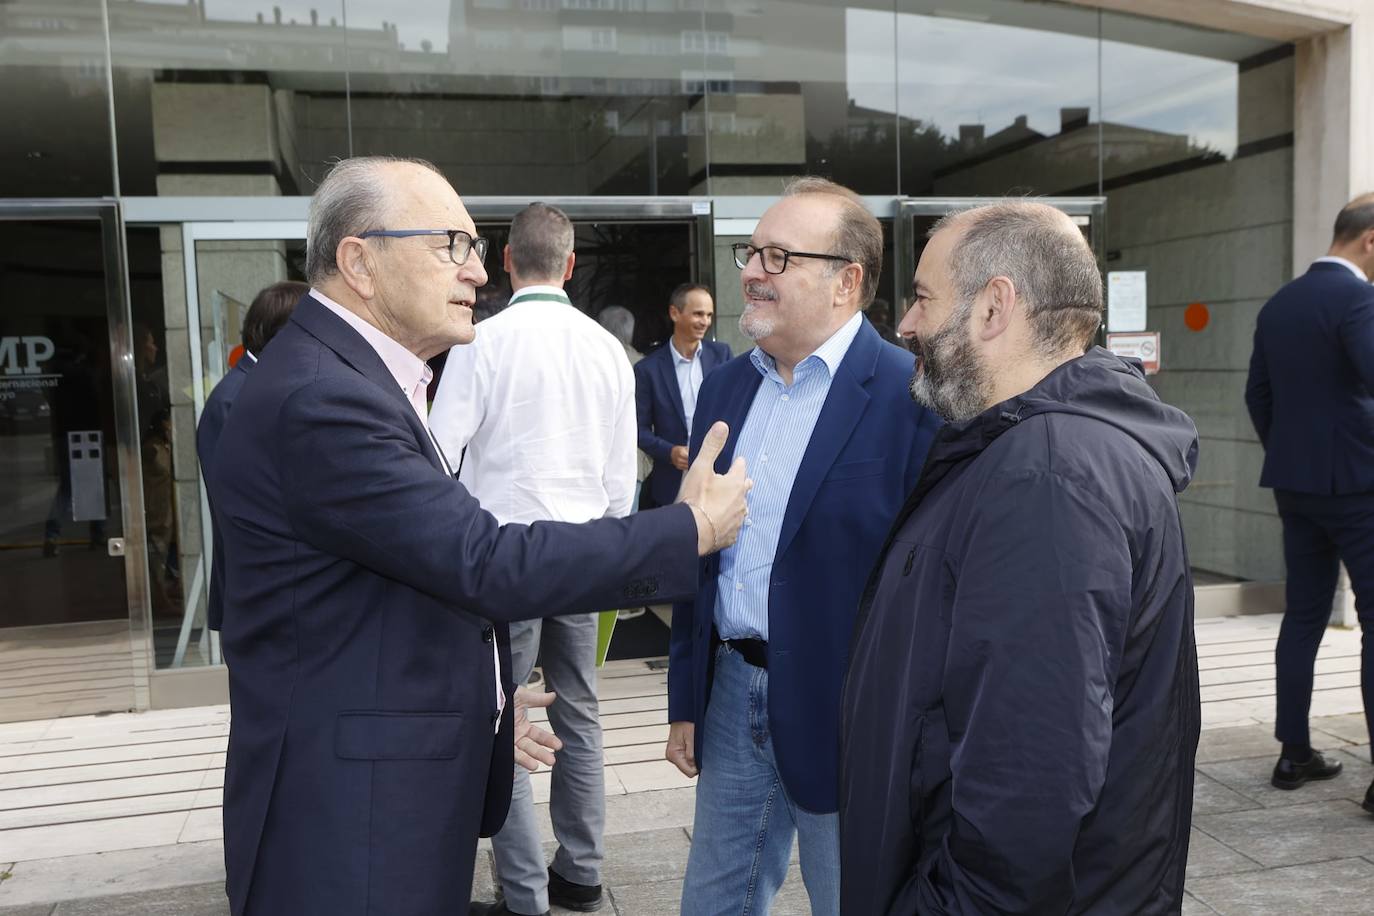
(759, 291)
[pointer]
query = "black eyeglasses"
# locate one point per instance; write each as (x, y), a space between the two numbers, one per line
(774, 259)
(459, 242)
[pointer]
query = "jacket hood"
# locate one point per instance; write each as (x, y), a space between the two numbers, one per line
(1106, 387)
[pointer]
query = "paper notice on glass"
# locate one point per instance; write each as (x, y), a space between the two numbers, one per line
(1126, 300)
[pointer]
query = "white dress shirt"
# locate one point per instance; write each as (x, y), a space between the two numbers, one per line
(544, 402)
(1350, 265)
(689, 376)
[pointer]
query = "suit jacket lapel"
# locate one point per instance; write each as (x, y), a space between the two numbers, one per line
(734, 409)
(844, 407)
(335, 333)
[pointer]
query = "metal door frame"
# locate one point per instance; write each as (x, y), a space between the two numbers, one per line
(108, 213)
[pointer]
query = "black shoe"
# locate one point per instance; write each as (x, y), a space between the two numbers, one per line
(1290, 775)
(498, 908)
(582, 898)
(1368, 803)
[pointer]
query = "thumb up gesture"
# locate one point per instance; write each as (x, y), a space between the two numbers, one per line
(717, 501)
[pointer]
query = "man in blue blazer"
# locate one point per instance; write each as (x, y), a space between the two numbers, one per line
(266, 316)
(820, 411)
(1311, 397)
(667, 382)
(367, 594)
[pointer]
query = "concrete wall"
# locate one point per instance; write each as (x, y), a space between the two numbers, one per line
(1220, 235)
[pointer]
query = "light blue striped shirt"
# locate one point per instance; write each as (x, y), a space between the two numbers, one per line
(772, 441)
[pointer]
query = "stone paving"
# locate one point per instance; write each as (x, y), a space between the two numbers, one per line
(145, 840)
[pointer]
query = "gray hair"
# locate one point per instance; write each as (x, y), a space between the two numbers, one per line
(541, 238)
(1051, 265)
(619, 321)
(353, 198)
(858, 234)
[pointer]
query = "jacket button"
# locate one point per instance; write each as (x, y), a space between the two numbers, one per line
(487, 634)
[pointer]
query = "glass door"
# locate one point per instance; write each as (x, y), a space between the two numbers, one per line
(632, 252)
(71, 567)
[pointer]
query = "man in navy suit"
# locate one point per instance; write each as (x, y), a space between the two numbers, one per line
(266, 316)
(666, 385)
(1311, 397)
(820, 411)
(367, 593)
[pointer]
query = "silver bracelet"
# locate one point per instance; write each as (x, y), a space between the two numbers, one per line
(715, 532)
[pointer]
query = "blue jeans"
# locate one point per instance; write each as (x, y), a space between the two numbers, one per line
(745, 821)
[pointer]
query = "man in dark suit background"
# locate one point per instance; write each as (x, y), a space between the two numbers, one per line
(1311, 397)
(819, 409)
(666, 386)
(367, 594)
(266, 316)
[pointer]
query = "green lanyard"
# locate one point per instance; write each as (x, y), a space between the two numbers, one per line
(540, 297)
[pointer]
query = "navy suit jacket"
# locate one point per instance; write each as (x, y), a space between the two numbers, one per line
(864, 456)
(662, 417)
(364, 587)
(1311, 385)
(212, 418)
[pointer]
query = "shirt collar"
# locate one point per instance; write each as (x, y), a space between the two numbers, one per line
(252, 358)
(1336, 259)
(407, 368)
(678, 357)
(830, 354)
(540, 289)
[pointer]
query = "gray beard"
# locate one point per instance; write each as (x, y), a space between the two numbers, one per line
(754, 326)
(950, 379)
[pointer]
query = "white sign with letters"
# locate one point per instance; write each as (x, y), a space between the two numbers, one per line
(1126, 300)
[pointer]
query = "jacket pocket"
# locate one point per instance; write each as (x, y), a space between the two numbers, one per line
(398, 735)
(851, 470)
(917, 798)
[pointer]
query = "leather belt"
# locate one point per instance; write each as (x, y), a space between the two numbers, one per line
(753, 651)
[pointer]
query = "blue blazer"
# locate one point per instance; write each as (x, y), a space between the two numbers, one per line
(1311, 386)
(662, 417)
(363, 590)
(212, 418)
(864, 456)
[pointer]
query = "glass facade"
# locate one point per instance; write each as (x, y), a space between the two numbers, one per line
(1186, 133)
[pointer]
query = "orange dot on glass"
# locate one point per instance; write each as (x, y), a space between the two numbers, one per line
(1196, 316)
(235, 355)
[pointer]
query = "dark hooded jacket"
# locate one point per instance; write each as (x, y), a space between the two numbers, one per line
(1020, 713)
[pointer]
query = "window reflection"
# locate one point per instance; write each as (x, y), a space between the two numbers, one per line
(982, 113)
(56, 136)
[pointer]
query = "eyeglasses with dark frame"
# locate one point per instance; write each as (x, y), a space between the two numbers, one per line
(774, 259)
(459, 242)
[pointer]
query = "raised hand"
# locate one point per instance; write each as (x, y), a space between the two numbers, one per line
(717, 501)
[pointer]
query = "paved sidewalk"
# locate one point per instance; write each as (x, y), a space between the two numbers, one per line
(119, 814)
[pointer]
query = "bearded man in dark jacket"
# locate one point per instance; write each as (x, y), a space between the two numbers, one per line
(1021, 713)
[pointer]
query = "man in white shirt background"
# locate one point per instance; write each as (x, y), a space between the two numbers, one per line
(543, 401)
(666, 386)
